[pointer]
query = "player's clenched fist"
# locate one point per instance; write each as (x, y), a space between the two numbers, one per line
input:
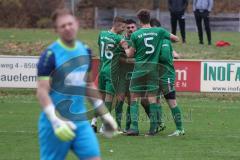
(124, 44)
(62, 129)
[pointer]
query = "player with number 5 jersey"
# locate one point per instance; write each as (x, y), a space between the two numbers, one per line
(147, 42)
(144, 81)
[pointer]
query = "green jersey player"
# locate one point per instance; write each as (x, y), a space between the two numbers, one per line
(109, 48)
(124, 74)
(127, 65)
(144, 81)
(167, 80)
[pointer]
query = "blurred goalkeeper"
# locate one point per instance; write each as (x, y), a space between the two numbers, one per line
(63, 84)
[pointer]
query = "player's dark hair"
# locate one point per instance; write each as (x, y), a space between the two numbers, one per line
(144, 16)
(154, 22)
(118, 20)
(60, 12)
(130, 21)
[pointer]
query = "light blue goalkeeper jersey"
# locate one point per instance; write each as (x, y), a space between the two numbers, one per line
(68, 75)
(67, 68)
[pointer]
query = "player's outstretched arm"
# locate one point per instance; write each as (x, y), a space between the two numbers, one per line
(62, 129)
(100, 109)
(174, 38)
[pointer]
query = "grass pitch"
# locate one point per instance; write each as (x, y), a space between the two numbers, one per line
(34, 41)
(210, 120)
(211, 123)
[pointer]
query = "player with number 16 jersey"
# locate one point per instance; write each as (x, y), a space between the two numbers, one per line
(109, 47)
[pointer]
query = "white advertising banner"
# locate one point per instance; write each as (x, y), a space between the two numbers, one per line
(207, 76)
(220, 76)
(18, 71)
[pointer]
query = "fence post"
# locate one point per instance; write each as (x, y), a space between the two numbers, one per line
(239, 22)
(115, 12)
(158, 14)
(95, 17)
(73, 6)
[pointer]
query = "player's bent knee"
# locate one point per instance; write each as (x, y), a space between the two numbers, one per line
(158, 100)
(120, 97)
(144, 102)
(134, 96)
(152, 100)
(172, 103)
(170, 95)
(108, 98)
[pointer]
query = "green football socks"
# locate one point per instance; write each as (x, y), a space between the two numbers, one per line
(160, 114)
(134, 115)
(118, 112)
(153, 113)
(176, 113)
(128, 118)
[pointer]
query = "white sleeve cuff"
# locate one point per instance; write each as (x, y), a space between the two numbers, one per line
(50, 112)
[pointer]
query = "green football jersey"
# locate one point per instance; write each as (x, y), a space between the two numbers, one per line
(109, 46)
(126, 65)
(128, 40)
(147, 42)
(167, 70)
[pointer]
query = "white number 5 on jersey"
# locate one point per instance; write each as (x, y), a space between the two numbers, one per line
(150, 46)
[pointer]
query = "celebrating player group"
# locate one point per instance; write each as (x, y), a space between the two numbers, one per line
(136, 67)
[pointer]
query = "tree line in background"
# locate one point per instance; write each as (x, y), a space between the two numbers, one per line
(27, 13)
(36, 13)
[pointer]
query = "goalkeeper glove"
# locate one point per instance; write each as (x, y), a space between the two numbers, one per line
(110, 125)
(62, 129)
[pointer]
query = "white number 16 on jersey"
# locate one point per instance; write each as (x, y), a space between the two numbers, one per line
(105, 50)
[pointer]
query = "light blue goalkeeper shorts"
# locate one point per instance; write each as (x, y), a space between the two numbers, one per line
(84, 145)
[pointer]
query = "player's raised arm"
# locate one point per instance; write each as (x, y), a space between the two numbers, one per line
(156, 23)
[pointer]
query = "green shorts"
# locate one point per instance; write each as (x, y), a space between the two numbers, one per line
(105, 84)
(142, 82)
(123, 85)
(125, 73)
(166, 86)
